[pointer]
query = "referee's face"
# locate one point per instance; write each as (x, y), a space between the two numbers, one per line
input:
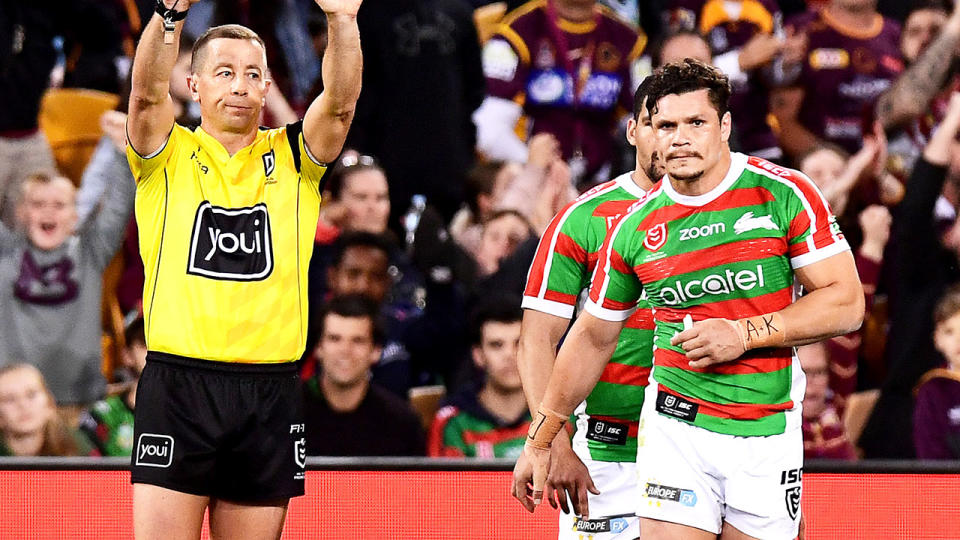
(231, 85)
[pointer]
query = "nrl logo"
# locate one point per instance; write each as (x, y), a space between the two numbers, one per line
(300, 452)
(792, 498)
(656, 237)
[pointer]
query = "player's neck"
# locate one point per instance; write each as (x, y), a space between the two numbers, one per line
(232, 142)
(709, 180)
(344, 398)
(852, 18)
(25, 445)
(575, 10)
(508, 405)
(641, 180)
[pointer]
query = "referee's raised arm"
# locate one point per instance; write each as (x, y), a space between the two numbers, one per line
(151, 113)
(327, 120)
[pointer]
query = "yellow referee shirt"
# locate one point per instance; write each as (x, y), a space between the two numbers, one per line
(226, 242)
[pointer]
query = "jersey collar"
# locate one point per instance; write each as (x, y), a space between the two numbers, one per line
(625, 182)
(738, 162)
(216, 149)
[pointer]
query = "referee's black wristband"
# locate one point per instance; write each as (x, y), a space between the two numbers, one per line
(169, 15)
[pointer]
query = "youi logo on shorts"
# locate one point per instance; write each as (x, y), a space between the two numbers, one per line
(231, 243)
(724, 283)
(154, 450)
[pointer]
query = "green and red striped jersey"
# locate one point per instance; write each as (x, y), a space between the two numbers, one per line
(607, 420)
(728, 253)
(463, 428)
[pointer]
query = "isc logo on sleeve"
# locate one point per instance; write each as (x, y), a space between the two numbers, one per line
(231, 243)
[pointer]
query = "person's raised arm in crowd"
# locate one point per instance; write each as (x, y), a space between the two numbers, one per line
(911, 93)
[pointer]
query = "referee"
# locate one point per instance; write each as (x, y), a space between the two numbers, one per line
(227, 215)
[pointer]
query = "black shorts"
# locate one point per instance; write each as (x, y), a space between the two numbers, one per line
(225, 430)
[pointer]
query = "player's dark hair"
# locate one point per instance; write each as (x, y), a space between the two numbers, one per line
(349, 239)
(501, 308)
(356, 306)
(643, 91)
(689, 75)
(226, 31)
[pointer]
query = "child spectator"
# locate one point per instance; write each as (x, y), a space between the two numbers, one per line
(936, 417)
(823, 432)
(491, 421)
(51, 282)
(29, 422)
(109, 422)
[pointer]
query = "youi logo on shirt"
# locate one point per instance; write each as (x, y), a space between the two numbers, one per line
(231, 243)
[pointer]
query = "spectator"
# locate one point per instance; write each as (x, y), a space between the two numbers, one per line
(746, 39)
(492, 420)
(52, 283)
(852, 57)
(346, 414)
(29, 422)
(683, 44)
(423, 341)
(922, 264)
(422, 80)
(485, 185)
(918, 99)
(823, 432)
(108, 423)
(502, 233)
(577, 100)
(936, 418)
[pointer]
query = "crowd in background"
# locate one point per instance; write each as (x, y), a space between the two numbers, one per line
(478, 122)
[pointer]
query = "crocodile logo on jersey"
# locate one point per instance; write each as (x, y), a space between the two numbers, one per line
(748, 223)
(656, 237)
(231, 243)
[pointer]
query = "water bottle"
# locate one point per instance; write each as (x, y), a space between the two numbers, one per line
(411, 220)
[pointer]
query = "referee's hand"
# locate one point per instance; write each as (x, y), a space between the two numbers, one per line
(340, 7)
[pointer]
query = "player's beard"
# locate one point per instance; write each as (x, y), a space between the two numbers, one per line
(654, 170)
(687, 177)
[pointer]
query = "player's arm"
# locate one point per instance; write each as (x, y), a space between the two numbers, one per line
(150, 113)
(328, 118)
(911, 93)
(832, 306)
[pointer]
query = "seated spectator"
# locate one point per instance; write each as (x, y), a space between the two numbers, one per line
(492, 420)
(823, 432)
(29, 422)
(52, 283)
(683, 44)
(484, 187)
(936, 417)
(346, 414)
(109, 422)
(422, 339)
(503, 231)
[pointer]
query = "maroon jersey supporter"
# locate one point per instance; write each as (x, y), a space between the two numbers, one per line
(728, 26)
(573, 79)
(936, 418)
(844, 72)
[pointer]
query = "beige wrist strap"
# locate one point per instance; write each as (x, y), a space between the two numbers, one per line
(762, 331)
(544, 427)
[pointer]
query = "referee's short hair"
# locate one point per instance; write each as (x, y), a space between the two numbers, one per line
(353, 306)
(226, 31)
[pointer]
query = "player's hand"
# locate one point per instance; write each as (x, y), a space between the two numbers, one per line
(568, 475)
(530, 476)
(709, 342)
(340, 7)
